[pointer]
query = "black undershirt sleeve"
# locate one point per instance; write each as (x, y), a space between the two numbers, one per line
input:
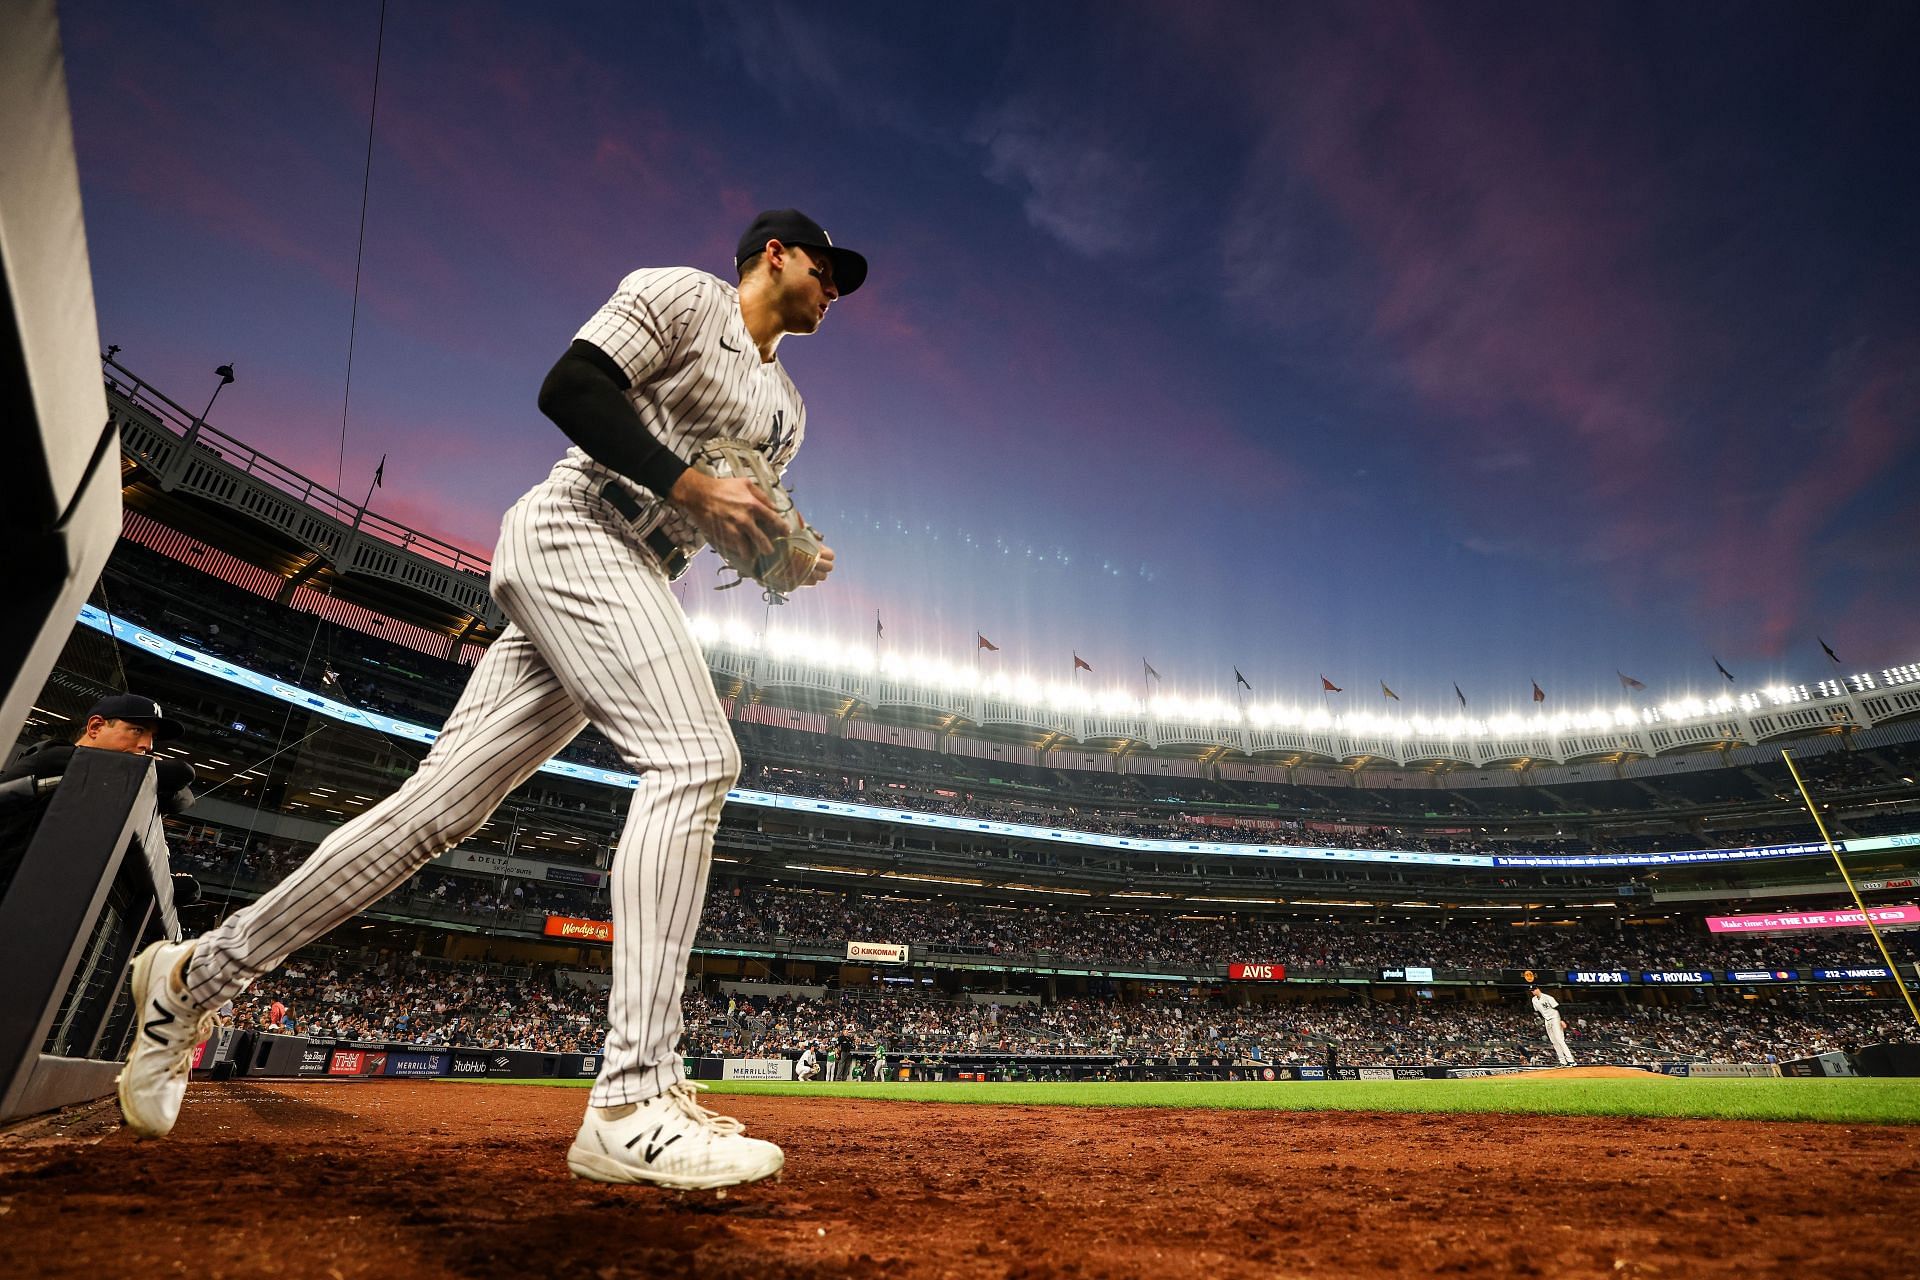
(585, 395)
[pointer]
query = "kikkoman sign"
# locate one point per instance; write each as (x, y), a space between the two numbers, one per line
(877, 952)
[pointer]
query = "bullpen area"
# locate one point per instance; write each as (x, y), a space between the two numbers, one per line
(1533, 1176)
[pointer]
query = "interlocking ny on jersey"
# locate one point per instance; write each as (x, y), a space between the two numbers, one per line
(694, 375)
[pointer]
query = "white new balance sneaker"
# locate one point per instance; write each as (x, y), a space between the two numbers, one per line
(674, 1141)
(155, 1078)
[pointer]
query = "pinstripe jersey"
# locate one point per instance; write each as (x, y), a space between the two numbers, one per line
(695, 375)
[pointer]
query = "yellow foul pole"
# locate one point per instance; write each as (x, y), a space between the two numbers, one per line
(1878, 941)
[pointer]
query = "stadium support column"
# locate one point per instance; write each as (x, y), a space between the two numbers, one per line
(299, 578)
(60, 492)
(460, 640)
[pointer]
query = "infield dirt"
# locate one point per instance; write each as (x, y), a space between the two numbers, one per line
(389, 1178)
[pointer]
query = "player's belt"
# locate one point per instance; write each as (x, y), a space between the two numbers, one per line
(672, 559)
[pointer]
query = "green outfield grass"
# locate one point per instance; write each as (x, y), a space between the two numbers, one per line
(1876, 1101)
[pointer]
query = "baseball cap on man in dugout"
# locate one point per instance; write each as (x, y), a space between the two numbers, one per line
(790, 226)
(131, 706)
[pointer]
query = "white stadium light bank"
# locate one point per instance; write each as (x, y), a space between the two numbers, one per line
(219, 668)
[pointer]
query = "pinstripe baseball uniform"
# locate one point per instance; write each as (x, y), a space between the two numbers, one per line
(1549, 1010)
(595, 637)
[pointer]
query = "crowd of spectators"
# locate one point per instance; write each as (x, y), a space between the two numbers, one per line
(407, 1000)
(742, 913)
(761, 913)
(400, 998)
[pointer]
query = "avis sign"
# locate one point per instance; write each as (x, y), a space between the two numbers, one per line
(1257, 972)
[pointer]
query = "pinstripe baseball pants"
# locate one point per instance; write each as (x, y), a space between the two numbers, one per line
(596, 637)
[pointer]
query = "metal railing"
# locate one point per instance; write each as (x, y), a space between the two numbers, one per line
(184, 450)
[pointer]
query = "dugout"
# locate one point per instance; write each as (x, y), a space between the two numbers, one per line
(92, 888)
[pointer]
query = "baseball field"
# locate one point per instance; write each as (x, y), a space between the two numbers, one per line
(1537, 1177)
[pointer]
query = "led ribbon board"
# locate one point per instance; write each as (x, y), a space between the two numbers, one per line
(220, 669)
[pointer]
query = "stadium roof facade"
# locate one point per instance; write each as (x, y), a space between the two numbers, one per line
(208, 485)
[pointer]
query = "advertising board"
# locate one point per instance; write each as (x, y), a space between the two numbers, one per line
(580, 930)
(1820, 1064)
(1598, 977)
(417, 1064)
(1254, 972)
(1272, 1071)
(1796, 921)
(1684, 977)
(1408, 973)
(501, 864)
(877, 952)
(756, 1069)
(1763, 975)
(313, 1058)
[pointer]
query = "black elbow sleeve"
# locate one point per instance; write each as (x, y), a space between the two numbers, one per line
(585, 396)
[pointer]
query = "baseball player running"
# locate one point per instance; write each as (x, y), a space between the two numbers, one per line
(675, 359)
(1549, 1010)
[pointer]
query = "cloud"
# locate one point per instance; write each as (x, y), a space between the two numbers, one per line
(1496, 236)
(1088, 190)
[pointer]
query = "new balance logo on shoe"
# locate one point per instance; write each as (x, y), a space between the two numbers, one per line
(161, 1018)
(652, 1151)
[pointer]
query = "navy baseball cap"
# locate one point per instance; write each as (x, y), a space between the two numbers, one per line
(790, 226)
(131, 706)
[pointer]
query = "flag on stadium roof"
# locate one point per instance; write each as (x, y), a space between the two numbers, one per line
(1081, 664)
(1829, 649)
(380, 472)
(1328, 686)
(985, 643)
(1722, 670)
(1459, 695)
(1627, 681)
(1151, 673)
(1388, 692)
(1241, 680)
(879, 632)
(1539, 694)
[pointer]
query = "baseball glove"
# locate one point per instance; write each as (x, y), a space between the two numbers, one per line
(787, 567)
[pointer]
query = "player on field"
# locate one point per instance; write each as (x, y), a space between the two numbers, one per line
(1549, 1010)
(674, 360)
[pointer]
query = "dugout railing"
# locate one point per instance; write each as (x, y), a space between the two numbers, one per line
(90, 887)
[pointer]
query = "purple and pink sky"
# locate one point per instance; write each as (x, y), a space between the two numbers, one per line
(1401, 342)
